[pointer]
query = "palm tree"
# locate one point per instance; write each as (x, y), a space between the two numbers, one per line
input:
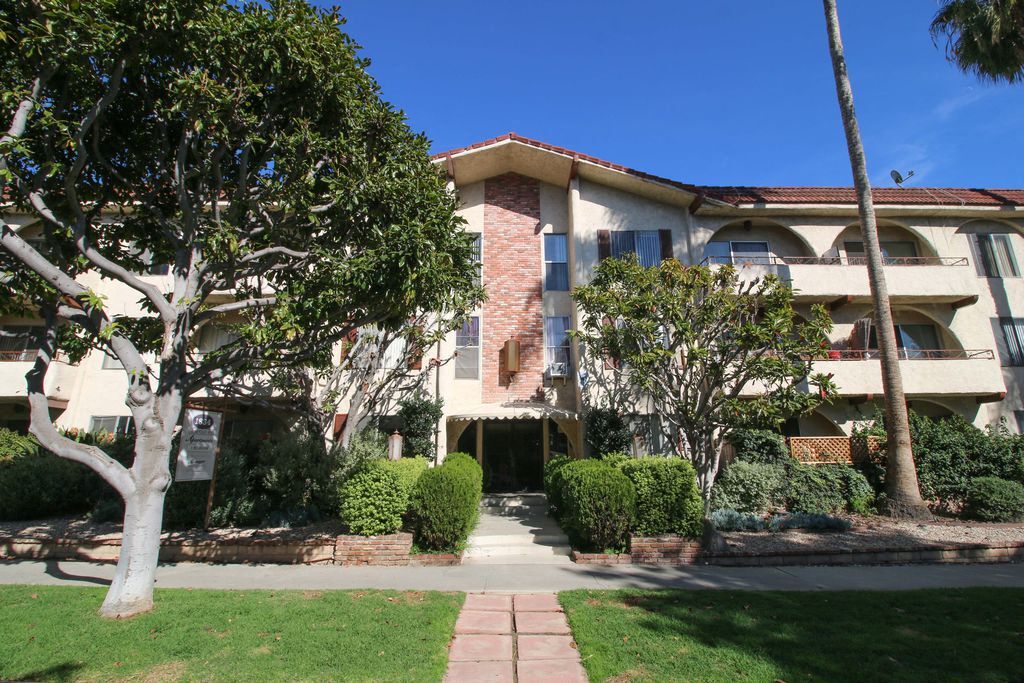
(901, 487)
(983, 37)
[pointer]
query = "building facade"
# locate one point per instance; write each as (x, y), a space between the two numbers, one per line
(545, 216)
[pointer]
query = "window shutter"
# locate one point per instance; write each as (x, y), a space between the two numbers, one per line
(861, 334)
(666, 244)
(339, 424)
(415, 359)
(604, 244)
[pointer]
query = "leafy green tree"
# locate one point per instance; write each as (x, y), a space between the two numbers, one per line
(703, 348)
(246, 147)
(902, 489)
(420, 415)
(983, 37)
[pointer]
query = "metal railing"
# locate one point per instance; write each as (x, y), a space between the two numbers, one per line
(909, 354)
(833, 260)
(17, 356)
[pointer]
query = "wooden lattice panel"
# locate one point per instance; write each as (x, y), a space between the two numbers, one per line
(840, 449)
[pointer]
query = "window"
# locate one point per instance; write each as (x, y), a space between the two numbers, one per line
(478, 259)
(213, 337)
(394, 354)
(890, 251)
(995, 256)
(111, 363)
(739, 253)
(1019, 415)
(556, 263)
(247, 430)
(1013, 333)
(912, 340)
(646, 244)
(556, 345)
(18, 342)
(467, 349)
(112, 424)
(159, 269)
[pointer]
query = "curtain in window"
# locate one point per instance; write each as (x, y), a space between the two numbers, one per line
(556, 340)
(623, 242)
(995, 256)
(556, 266)
(916, 340)
(1007, 263)
(1013, 333)
(648, 247)
(394, 354)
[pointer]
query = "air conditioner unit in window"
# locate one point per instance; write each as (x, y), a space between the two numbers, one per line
(558, 370)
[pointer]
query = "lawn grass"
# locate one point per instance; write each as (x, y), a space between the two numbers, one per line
(52, 633)
(926, 635)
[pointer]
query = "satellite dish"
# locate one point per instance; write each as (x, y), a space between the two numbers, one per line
(898, 178)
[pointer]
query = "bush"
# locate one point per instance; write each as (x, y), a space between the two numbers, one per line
(750, 487)
(408, 471)
(731, 520)
(667, 498)
(363, 447)
(552, 483)
(760, 446)
(816, 489)
(36, 483)
(606, 432)
(372, 502)
(951, 452)
(420, 416)
(857, 490)
(445, 503)
(600, 505)
(803, 520)
(616, 459)
(995, 500)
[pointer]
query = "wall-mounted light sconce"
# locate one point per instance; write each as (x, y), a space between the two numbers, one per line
(510, 354)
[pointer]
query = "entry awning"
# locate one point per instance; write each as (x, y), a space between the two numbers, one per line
(512, 411)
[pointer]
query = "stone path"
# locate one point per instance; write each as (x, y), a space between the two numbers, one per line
(505, 638)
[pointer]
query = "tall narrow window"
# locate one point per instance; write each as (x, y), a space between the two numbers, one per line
(478, 259)
(556, 344)
(467, 349)
(111, 362)
(1013, 333)
(995, 256)
(556, 263)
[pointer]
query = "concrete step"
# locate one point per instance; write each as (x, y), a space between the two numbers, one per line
(517, 551)
(517, 560)
(514, 500)
(516, 541)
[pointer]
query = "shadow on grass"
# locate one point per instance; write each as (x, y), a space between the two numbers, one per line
(964, 634)
(58, 672)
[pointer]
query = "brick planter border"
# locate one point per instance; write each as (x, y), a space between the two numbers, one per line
(380, 551)
(930, 554)
(667, 550)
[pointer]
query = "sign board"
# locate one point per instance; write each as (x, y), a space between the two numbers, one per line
(200, 435)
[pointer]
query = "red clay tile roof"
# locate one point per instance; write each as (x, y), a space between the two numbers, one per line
(881, 195)
(786, 195)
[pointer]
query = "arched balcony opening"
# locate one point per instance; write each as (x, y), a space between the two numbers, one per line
(756, 242)
(919, 336)
(900, 246)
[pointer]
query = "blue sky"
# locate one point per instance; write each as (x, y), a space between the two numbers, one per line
(728, 92)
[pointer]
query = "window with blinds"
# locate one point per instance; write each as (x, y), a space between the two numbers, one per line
(467, 349)
(995, 256)
(111, 424)
(646, 244)
(1013, 334)
(556, 263)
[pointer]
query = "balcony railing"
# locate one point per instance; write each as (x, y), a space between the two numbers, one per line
(834, 260)
(17, 356)
(909, 354)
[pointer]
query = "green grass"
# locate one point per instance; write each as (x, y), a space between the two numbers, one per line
(54, 634)
(927, 635)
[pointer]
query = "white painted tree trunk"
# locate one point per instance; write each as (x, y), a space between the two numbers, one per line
(131, 591)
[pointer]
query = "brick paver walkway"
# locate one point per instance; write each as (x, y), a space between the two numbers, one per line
(508, 638)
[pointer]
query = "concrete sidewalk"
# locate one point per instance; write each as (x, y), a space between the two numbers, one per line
(528, 578)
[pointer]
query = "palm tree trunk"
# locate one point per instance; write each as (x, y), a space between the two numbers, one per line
(901, 487)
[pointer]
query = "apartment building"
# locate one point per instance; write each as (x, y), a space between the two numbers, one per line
(515, 389)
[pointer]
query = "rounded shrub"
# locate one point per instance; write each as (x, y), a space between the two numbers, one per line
(995, 500)
(760, 445)
(553, 484)
(445, 502)
(372, 502)
(816, 489)
(667, 498)
(600, 505)
(408, 471)
(750, 487)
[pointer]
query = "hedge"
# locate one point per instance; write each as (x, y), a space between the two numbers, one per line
(762, 488)
(750, 487)
(374, 500)
(600, 505)
(445, 503)
(667, 498)
(553, 483)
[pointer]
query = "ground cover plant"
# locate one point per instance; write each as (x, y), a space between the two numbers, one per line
(932, 635)
(52, 633)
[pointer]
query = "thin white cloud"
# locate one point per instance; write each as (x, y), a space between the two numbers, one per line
(945, 109)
